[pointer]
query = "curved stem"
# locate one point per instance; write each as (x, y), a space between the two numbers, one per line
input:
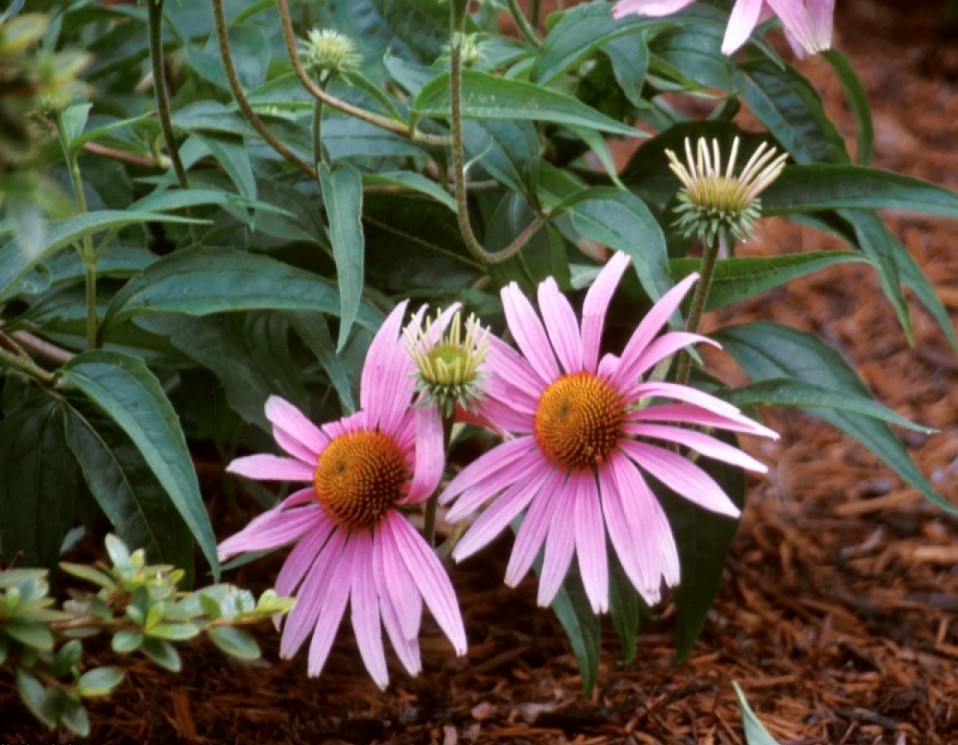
(458, 159)
(319, 94)
(42, 346)
(25, 365)
(155, 14)
(527, 29)
(226, 56)
(706, 271)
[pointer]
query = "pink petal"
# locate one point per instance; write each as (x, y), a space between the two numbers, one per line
(648, 7)
(331, 613)
(430, 578)
(406, 649)
(298, 498)
(529, 333)
(557, 557)
(652, 323)
(387, 384)
(296, 429)
(596, 304)
(270, 530)
(686, 393)
(271, 468)
(312, 594)
(681, 475)
(511, 378)
(302, 556)
(430, 454)
(665, 346)
(741, 23)
(590, 542)
(497, 461)
(561, 325)
(398, 584)
(504, 417)
(365, 609)
(689, 414)
(494, 520)
(534, 526)
(533, 467)
(706, 445)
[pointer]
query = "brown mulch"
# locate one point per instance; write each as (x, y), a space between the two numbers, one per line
(838, 613)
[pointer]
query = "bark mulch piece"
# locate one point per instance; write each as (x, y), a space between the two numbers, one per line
(838, 613)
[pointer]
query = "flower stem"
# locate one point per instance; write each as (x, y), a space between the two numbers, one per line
(317, 131)
(429, 523)
(706, 271)
(160, 92)
(527, 29)
(25, 365)
(226, 56)
(457, 20)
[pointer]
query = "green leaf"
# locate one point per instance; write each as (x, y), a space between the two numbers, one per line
(342, 189)
(118, 552)
(235, 642)
(28, 633)
(486, 96)
(314, 331)
(755, 732)
(626, 608)
(768, 351)
(857, 99)
(916, 281)
(39, 482)
(740, 278)
(129, 393)
(88, 573)
(622, 221)
(126, 641)
(163, 654)
(202, 281)
(505, 149)
(73, 120)
(703, 539)
(582, 626)
(809, 188)
(173, 631)
(233, 156)
(73, 716)
(99, 682)
(790, 392)
(35, 697)
(128, 492)
(413, 181)
(94, 134)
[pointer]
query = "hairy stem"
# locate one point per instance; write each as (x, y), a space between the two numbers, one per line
(527, 29)
(25, 365)
(699, 298)
(226, 56)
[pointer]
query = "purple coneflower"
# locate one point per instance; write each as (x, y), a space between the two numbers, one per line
(582, 433)
(353, 544)
(807, 23)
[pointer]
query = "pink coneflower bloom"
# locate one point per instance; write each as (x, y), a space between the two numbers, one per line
(807, 23)
(582, 433)
(353, 543)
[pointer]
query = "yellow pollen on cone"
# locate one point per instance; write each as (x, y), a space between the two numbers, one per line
(579, 420)
(359, 476)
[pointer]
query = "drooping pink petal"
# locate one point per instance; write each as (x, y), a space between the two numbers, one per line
(648, 7)
(298, 498)
(387, 386)
(430, 578)
(534, 527)
(690, 414)
(312, 593)
(522, 386)
(741, 23)
(652, 323)
(499, 514)
(529, 333)
(430, 454)
(590, 541)
(302, 556)
(500, 459)
(293, 424)
(596, 304)
(682, 476)
(406, 649)
(686, 393)
(364, 606)
(331, 612)
(561, 325)
(270, 530)
(706, 445)
(560, 543)
(529, 468)
(665, 346)
(271, 468)
(398, 583)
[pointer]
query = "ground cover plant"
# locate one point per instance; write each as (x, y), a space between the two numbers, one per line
(224, 222)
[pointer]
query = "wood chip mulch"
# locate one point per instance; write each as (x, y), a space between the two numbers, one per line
(838, 613)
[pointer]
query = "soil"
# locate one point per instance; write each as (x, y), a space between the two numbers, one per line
(837, 615)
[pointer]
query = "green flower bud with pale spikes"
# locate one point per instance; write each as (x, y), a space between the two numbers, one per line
(714, 202)
(449, 360)
(329, 52)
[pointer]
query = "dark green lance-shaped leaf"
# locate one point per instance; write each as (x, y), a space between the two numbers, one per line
(807, 188)
(233, 156)
(39, 483)
(413, 181)
(768, 351)
(626, 608)
(857, 100)
(786, 103)
(622, 221)
(739, 278)
(128, 392)
(314, 331)
(790, 392)
(917, 281)
(629, 56)
(235, 642)
(127, 491)
(342, 188)
(755, 732)
(581, 625)
(486, 96)
(99, 681)
(703, 539)
(15, 262)
(203, 281)
(507, 150)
